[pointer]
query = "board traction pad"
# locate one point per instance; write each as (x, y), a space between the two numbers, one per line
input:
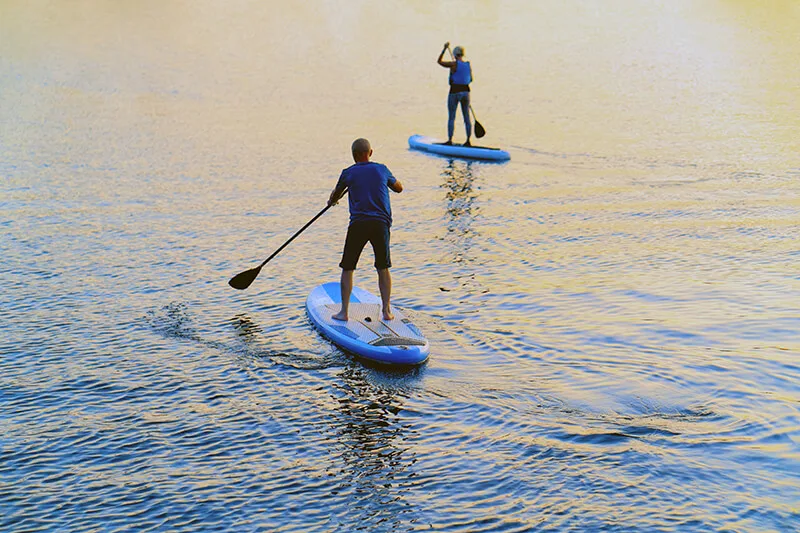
(365, 323)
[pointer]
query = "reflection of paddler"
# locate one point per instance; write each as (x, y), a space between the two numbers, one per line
(376, 448)
(460, 78)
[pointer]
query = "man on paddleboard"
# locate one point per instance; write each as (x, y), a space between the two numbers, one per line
(460, 78)
(368, 184)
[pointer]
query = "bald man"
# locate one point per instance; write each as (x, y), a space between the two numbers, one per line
(368, 184)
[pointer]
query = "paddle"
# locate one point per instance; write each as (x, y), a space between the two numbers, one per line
(479, 131)
(243, 280)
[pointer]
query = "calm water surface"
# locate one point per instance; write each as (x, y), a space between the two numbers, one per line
(613, 314)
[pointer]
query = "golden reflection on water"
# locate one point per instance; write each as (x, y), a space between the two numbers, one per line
(680, 81)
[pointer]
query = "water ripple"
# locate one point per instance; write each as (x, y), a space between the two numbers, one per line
(612, 314)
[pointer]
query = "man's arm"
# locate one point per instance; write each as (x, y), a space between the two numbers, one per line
(446, 64)
(396, 186)
(337, 193)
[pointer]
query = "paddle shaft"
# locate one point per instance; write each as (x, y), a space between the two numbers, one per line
(293, 237)
(301, 230)
(243, 280)
(473, 113)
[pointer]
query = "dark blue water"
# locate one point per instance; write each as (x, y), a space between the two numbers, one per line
(613, 314)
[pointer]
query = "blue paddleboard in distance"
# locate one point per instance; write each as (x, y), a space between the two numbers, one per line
(435, 146)
(366, 334)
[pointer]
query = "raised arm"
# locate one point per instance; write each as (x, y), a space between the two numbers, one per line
(445, 64)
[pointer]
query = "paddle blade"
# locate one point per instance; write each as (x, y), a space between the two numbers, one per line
(479, 131)
(243, 280)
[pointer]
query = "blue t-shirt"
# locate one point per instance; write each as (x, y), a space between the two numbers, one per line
(369, 191)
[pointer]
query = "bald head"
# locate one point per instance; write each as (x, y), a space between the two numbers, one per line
(361, 150)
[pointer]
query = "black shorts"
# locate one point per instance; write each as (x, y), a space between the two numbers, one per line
(359, 233)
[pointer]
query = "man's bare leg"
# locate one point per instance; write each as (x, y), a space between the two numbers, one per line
(385, 285)
(346, 286)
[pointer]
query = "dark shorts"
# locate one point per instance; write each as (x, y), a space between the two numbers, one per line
(358, 235)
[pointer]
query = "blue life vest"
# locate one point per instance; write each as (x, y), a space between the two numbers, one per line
(462, 75)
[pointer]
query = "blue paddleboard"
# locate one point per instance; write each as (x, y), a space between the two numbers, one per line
(366, 334)
(434, 146)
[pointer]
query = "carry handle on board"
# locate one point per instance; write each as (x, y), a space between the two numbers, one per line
(243, 280)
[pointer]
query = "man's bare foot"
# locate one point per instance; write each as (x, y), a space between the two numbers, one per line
(340, 316)
(388, 315)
